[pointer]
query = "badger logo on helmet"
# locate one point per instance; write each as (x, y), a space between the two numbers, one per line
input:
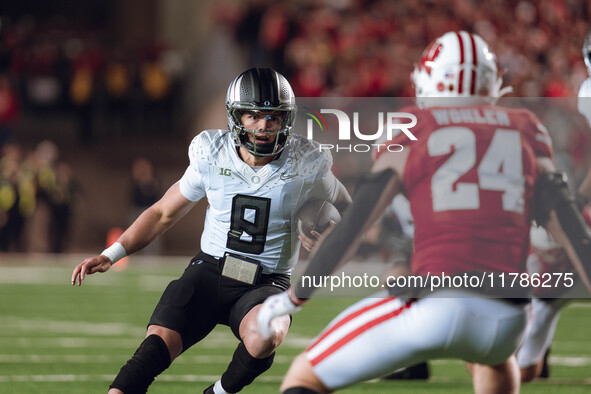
(429, 55)
(458, 64)
(266, 93)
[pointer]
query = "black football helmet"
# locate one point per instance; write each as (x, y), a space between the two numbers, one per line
(260, 89)
(587, 51)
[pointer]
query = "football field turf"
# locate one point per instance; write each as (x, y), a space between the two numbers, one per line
(55, 338)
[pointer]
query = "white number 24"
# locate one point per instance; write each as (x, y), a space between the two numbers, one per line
(500, 169)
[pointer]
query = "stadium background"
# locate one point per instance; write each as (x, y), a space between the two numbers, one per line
(99, 99)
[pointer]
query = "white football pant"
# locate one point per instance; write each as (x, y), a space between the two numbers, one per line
(381, 334)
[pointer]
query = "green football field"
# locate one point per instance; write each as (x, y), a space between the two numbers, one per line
(55, 338)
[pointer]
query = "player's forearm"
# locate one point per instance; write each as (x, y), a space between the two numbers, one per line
(155, 220)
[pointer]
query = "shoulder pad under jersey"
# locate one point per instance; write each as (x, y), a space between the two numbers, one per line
(308, 157)
(207, 146)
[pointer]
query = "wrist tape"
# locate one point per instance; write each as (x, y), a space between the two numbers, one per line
(114, 252)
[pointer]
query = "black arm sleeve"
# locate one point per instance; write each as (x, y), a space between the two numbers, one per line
(581, 200)
(341, 240)
(552, 193)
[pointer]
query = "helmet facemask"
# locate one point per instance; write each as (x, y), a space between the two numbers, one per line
(246, 138)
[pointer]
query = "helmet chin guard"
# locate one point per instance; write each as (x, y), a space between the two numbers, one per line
(457, 64)
(258, 149)
(260, 90)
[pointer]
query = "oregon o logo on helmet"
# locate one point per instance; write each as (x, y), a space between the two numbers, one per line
(393, 126)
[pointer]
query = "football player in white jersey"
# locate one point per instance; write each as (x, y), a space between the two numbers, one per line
(585, 89)
(254, 176)
(464, 223)
(584, 104)
(548, 255)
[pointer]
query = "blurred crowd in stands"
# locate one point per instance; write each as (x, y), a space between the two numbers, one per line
(57, 65)
(54, 66)
(37, 196)
(367, 48)
(357, 48)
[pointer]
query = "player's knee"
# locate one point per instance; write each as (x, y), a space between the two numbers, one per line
(150, 359)
(301, 377)
(500, 378)
(528, 374)
(171, 338)
(259, 347)
(532, 372)
(256, 345)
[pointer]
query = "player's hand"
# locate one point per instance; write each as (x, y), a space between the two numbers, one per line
(90, 266)
(309, 243)
(275, 306)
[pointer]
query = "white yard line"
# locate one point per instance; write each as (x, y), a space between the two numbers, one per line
(103, 358)
(580, 304)
(568, 361)
(64, 327)
(214, 341)
(70, 331)
(109, 378)
(212, 378)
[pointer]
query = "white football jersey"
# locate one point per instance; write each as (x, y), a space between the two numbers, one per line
(400, 206)
(585, 99)
(250, 209)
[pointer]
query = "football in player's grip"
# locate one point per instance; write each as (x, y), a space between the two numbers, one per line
(316, 215)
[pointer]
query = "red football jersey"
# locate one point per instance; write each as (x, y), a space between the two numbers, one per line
(470, 179)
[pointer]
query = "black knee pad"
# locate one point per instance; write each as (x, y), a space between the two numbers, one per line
(149, 360)
(243, 369)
